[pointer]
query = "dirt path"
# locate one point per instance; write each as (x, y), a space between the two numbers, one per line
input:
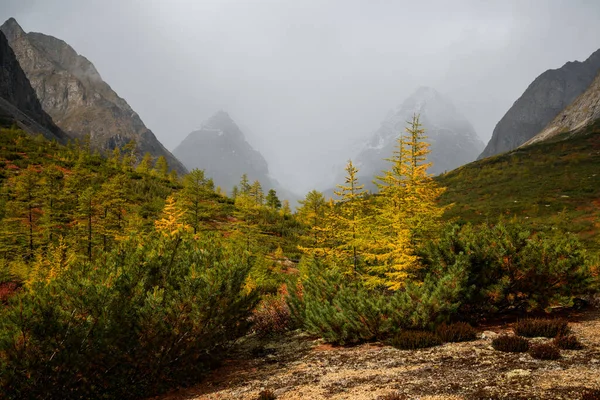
(296, 367)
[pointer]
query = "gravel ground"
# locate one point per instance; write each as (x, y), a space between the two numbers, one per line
(298, 367)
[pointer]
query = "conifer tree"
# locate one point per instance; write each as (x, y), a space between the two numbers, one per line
(234, 192)
(145, 164)
(285, 208)
(87, 218)
(350, 216)
(54, 218)
(312, 212)
(115, 158)
(194, 197)
(272, 200)
(244, 185)
(113, 210)
(256, 193)
(24, 207)
(162, 167)
(407, 210)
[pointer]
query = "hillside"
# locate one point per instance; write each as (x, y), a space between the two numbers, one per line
(79, 101)
(549, 185)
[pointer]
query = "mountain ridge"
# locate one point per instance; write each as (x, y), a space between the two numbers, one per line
(18, 101)
(549, 94)
(73, 93)
(582, 112)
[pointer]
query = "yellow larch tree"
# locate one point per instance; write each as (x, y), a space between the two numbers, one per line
(408, 211)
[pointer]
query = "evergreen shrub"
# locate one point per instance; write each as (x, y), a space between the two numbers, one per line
(148, 316)
(506, 267)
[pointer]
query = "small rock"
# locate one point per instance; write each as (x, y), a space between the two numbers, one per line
(516, 373)
(489, 335)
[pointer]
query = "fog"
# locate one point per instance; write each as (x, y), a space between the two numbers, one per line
(305, 79)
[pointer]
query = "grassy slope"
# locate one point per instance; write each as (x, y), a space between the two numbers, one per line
(550, 185)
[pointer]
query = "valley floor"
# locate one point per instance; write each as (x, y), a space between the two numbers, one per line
(296, 367)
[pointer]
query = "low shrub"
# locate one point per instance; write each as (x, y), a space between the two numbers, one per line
(271, 316)
(533, 327)
(412, 340)
(393, 396)
(7, 290)
(155, 313)
(544, 351)
(342, 309)
(568, 342)
(457, 332)
(266, 395)
(551, 270)
(591, 394)
(510, 344)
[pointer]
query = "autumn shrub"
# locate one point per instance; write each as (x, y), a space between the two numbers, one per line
(568, 342)
(506, 267)
(146, 317)
(510, 344)
(412, 340)
(393, 396)
(7, 290)
(271, 316)
(535, 327)
(591, 394)
(544, 351)
(266, 395)
(456, 332)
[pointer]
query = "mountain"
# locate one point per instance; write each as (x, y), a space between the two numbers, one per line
(543, 100)
(18, 101)
(221, 150)
(584, 111)
(73, 93)
(452, 137)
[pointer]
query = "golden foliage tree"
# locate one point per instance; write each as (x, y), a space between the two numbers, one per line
(407, 207)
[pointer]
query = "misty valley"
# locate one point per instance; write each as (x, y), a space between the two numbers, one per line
(422, 263)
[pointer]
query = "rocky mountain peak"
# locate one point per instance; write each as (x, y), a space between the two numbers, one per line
(452, 137)
(541, 102)
(18, 101)
(12, 30)
(584, 111)
(72, 92)
(221, 123)
(220, 148)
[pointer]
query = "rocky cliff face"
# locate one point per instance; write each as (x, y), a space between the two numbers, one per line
(582, 112)
(73, 93)
(18, 101)
(452, 137)
(543, 100)
(221, 150)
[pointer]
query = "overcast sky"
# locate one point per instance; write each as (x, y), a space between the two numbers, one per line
(304, 78)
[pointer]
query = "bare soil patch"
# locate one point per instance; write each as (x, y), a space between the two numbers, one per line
(296, 366)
